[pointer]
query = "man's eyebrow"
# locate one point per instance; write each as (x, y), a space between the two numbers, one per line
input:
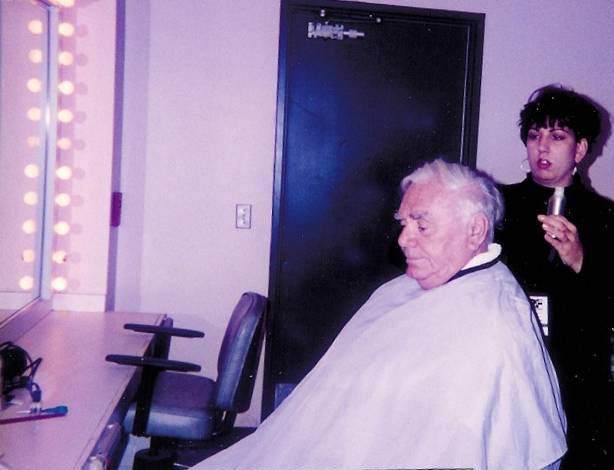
(412, 215)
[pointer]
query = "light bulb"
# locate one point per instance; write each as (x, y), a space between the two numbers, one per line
(26, 282)
(61, 228)
(29, 227)
(62, 199)
(66, 87)
(31, 170)
(28, 256)
(65, 115)
(34, 141)
(34, 85)
(35, 27)
(59, 256)
(66, 29)
(63, 172)
(59, 284)
(34, 114)
(64, 143)
(30, 198)
(35, 56)
(66, 58)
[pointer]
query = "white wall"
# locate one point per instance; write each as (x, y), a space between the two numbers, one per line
(199, 133)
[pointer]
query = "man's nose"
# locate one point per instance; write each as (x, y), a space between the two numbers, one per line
(406, 237)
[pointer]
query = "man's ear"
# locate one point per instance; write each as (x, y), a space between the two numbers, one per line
(478, 229)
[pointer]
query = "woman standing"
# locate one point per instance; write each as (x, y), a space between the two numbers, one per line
(567, 262)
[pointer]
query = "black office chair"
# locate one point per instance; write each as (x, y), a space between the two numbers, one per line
(185, 411)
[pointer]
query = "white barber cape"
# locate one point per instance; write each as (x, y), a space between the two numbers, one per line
(452, 377)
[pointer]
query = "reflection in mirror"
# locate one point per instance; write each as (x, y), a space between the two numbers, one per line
(25, 141)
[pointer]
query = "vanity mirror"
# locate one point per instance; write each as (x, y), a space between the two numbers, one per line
(28, 30)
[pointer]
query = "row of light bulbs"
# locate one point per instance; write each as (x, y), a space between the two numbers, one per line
(63, 172)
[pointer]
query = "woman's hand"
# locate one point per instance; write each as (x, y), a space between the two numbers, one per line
(563, 236)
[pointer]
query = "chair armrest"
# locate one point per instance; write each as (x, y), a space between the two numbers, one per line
(153, 362)
(151, 366)
(165, 330)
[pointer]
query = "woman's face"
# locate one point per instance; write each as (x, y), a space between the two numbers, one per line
(553, 153)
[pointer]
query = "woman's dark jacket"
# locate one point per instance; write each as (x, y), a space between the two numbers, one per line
(581, 304)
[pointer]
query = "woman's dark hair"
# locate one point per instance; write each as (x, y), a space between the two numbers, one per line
(555, 104)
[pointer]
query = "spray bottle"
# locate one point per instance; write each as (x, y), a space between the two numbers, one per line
(556, 203)
(556, 206)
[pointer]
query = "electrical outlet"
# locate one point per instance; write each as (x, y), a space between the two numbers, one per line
(243, 216)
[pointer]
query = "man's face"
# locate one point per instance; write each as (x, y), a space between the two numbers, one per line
(435, 238)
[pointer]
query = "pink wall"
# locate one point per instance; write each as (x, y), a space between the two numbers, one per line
(90, 156)
(527, 45)
(199, 133)
(199, 126)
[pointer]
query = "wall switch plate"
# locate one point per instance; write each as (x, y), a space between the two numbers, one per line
(243, 216)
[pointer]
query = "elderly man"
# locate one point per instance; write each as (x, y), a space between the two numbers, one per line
(443, 367)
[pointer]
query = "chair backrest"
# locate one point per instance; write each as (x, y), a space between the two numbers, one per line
(240, 354)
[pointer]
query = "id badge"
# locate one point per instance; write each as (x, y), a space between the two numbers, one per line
(539, 303)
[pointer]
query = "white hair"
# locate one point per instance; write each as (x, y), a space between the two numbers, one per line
(479, 191)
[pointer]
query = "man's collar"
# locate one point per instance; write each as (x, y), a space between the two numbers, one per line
(493, 251)
(480, 261)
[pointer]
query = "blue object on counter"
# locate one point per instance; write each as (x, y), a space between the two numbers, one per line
(56, 410)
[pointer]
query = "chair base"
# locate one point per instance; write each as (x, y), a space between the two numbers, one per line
(190, 453)
(147, 459)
